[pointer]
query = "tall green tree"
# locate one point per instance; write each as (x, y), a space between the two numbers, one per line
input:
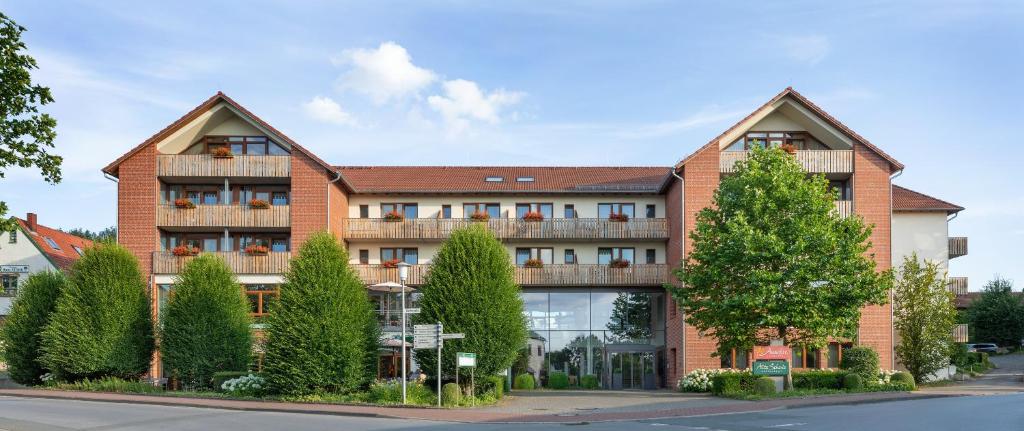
(102, 325)
(21, 333)
(470, 289)
(998, 315)
(322, 334)
(205, 323)
(26, 134)
(772, 258)
(107, 234)
(924, 317)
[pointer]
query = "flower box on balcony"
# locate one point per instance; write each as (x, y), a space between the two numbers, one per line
(394, 216)
(789, 148)
(184, 203)
(257, 250)
(533, 263)
(259, 204)
(618, 217)
(618, 263)
(393, 263)
(480, 216)
(533, 216)
(222, 153)
(184, 250)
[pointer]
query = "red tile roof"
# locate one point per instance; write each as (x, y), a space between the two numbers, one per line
(904, 199)
(63, 257)
(472, 179)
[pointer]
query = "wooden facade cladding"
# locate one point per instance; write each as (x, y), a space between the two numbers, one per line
(844, 208)
(276, 216)
(957, 246)
(958, 285)
(814, 161)
(206, 165)
(960, 333)
(549, 275)
(239, 262)
(508, 228)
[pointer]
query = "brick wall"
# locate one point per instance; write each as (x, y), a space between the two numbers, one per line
(673, 257)
(701, 176)
(339, 208)
(872, 200)
(309, 198)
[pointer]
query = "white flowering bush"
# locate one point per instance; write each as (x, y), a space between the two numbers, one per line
(245, 386)
(885, 376)
(699, 380)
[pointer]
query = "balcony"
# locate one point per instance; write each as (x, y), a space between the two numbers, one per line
(508, 228)
(206, 165)
(813, 161)
(958, 285)
(844, 208)
(275, 262)
(957, 246)
(549, 275)
(960, 334)
(223, 216)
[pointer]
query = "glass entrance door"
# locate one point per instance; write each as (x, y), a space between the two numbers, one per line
(631, 370)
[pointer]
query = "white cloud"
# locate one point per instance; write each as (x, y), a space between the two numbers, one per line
(384, 74)
(327, 110)
(807, 49)
(464, 101)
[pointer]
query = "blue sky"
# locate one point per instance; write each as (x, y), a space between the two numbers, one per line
(937, 84)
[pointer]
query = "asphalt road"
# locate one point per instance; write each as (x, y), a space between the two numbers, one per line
(978, 412)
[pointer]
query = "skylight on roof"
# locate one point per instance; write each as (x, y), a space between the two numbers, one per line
(524, 179)
(494, 179)
(52, 243)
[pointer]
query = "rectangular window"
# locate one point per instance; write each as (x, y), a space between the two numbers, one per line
(250, 145)
(406, 210)
(570, 256)
(211, 198)
(261, 296)
(545, 255)
(13, 237)
(364, 211)
(492, 210)
(446, 211)
(798, 357)
(364, 256)
(546, 210)
(607, 254)
(407, 255)
(570, 211)
(279, 198)
(833, 355)
(9, 284)
(605, 211)
(77, 249)
(841, 188)
(652, 256)
(278, 244)
(211, 244)
(51, 243)
(651, 211)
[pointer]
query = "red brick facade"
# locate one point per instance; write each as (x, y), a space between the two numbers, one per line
(872, 200)
(308, 198)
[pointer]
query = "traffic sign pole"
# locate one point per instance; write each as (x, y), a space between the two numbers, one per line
(439, 331)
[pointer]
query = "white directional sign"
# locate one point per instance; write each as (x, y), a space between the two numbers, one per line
(412, 310)
(455, 336)
(425, 336)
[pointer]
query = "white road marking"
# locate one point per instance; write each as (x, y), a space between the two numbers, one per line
(786, 425)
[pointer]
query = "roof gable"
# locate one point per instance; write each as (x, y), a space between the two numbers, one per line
(904, 199)
(64, 255)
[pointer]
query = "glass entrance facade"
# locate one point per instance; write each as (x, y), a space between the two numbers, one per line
(616, 335)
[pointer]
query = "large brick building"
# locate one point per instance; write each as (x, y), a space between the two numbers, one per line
(593, 246)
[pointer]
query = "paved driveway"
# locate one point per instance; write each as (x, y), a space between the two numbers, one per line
(1004, 379)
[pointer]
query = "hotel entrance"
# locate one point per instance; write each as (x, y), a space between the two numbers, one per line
(631, 370)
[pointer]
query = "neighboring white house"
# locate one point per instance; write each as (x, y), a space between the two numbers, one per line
(32, 248)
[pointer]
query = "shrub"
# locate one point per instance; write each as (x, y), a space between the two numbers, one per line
(853, 382)
(524, 382)
(861, 360)
(102, 325)
(589, 381)
(21, 334)
(904, 377)
(322, 333)
(249, 385)
(889, 387)
(470, 289)
(110, 384)
(558, 380)
(388, 393)
(492, 384)
(764, 386)
(732, 382)
(218, 378)
(818, 379)
(959, 356)
(450, 394)
(205, 323)
(700, 380)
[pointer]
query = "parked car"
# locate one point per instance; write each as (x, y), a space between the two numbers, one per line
(983, 348)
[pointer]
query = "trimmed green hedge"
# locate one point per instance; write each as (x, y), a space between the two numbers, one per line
(732, 383)
(905, 378)
(21, 334)
(589, 381)
(818, 379)
(450, 394)
(558, 380)
(493, 384)
(853, 382)
(861, 360)
(764, 386)
(524, 382)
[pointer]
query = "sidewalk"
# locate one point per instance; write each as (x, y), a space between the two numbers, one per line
(491, 415)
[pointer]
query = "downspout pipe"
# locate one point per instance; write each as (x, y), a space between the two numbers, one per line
(682, 251)
(117, 217)
(327, 191)
(892, 312)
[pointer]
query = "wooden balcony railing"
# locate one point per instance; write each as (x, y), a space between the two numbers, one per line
(509, 228)
(205, 165)
(958, 285)
(957, 246)
(223, 216)
(844, 208)
(275, 262)
(549, 275)
(815, 161)
(960, 334)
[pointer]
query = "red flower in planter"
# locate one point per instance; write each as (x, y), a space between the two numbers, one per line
(533, 216)
(184, 250)
(259, 204)
(393, 263)
(618, 217)
(394, 215)
(789, 148)
(222, 153)
(184, 203)
(257, 249)
(618, 263)
(533, 263)
(480, 216)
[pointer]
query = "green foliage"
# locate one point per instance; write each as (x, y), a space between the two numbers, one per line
(205, 323)
(888, 387)
(102, 325)
(862, 361)
(904, 377)
(524, 382)
(924, 316)
(25, 133)
(818, 379)
(110, 384)
(21, 334)
(732, 383)
(390, 393)
(470, 289)
(493, 384)
(450, 394)
(217, 379)
(853, 382)
(108, 234)
(958, 355)
(589, 381)
(770, 249)
(323, 334)
(998, 315)
(558, 380)
(764, 386)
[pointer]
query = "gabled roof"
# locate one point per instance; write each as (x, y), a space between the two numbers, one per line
(61, 258)
(789, 91)
(111, 169)
(472, 179)
(904, 199)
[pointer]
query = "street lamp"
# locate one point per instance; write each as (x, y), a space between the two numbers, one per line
(403, 275)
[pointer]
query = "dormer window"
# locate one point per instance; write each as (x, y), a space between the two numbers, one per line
(800, 140)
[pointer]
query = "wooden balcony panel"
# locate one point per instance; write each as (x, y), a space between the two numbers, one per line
(957, 246)
(549, 275)
(814, 161)
(960, 334)
(506, 228)
(374, 274)
(958, 285)
(224, 216)
(205, 165)
(844, 208)
(275, 262)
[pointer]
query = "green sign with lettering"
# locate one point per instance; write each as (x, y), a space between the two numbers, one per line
(770, 368)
